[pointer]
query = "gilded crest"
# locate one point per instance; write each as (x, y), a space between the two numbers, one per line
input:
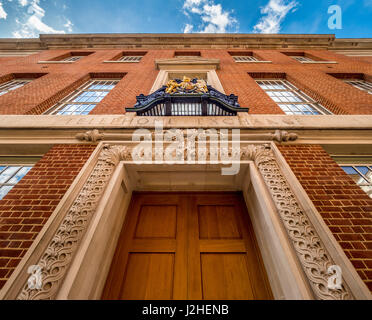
(186, 85)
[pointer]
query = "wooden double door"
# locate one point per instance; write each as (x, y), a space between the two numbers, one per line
(187, 247)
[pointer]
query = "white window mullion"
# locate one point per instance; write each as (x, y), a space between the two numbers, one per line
(72, 58)
(360, 84)
(245, 59)
(130, 59)
(13, 85)
(69, 105)
(302, 58)
(361, 174)
(290, 99)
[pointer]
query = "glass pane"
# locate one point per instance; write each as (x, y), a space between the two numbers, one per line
(363, 170)
(358, 179)
(20, 174)
(349, 170)
(367, 172)
(368, 190)
(8, 173)
(4, 191)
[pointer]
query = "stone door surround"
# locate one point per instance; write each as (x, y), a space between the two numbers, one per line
(65, 247)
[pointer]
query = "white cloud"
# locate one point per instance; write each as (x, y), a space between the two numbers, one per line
(3, 14)
(188, 28)
(68, 25)
(275, 12)
(212, 17)
(31, 25)
(192, 3)
(23, 3)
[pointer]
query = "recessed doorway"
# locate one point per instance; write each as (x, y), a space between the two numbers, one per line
(187, 246)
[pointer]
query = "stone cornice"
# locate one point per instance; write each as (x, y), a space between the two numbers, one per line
(184, 41)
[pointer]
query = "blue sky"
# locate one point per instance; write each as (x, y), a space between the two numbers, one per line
(29, 18)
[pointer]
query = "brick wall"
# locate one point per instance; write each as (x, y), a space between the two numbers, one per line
(366, 59)
(45, 91)
(27, 207)
(345, 208)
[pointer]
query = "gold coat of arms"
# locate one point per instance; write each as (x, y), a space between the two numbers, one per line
(186, 86)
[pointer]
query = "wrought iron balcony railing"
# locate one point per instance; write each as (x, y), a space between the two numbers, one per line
(187, 98)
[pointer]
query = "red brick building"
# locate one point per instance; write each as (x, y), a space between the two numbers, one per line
(68, 182)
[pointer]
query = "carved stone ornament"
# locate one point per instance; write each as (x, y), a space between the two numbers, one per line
(279, 136)
(310, 251)
(56, 259)
(313, 256)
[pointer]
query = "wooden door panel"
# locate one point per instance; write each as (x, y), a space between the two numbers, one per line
(225, 250)
(222, 246)
(187, 246)
(157, 222)
(218, 222)
(149, 276)
(150, 260)
(225, 277)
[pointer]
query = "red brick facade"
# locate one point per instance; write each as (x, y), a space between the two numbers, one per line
(28, 206)
(344, 206)
(61, 79)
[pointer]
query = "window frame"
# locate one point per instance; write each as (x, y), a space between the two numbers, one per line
(361, 175)
(245, 59)
(302, 59)
(4, 85)
(358, 86)
(80, 90)
(7, 166)
(307, 100)
(72, 59)
(130, 59)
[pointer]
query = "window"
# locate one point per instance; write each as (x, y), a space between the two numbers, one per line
(302, 59)
(245, 59)
(305, 58)
(10, 175)
(13, 85)
(290, 99)
(362, 175)
(72, 58)
(360, 84)
(127, 57)
(130, 59)
(84, 99)
(245, 56)
(69, 57)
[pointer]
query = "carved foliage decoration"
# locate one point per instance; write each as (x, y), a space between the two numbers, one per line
(310, 250)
